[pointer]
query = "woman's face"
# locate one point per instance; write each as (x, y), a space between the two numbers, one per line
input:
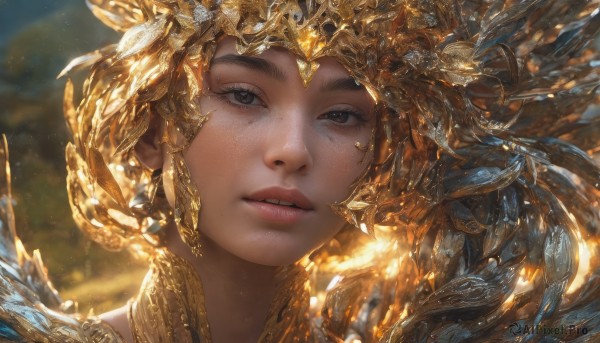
(274, 154)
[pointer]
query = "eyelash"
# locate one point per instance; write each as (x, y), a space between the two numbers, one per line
(361, 120)
(226, 92)
(233, 90)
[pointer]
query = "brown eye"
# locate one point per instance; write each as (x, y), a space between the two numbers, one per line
(338, 117)
(244, 97)
(345, 117)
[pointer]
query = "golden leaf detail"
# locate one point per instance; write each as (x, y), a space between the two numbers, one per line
(140, 37)
(104, 178)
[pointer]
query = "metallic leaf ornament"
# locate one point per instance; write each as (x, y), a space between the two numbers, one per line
(478, 217)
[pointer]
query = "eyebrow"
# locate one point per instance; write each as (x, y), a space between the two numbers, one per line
(251, 62)
(272, 70)
(344, 84)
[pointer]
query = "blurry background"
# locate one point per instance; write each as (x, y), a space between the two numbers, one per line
(37, 39)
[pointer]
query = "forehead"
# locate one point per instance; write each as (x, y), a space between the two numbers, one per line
(285, 60)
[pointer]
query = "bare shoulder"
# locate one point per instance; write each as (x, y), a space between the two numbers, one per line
(117, 319)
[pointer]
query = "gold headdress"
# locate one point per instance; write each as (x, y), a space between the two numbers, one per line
(479, 217)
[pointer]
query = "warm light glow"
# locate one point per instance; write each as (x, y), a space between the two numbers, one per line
(392, 268)
(313, 302)
(583, 268)
(404, 313)
(334, 281)
(316, 304)
(508, 302)
(363, 228)
(430, 276)
(367, 256)
(123, 218)
(523, 285)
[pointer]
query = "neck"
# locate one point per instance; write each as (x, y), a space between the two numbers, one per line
(237, 293)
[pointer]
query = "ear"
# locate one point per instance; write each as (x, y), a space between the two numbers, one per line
(148, 148)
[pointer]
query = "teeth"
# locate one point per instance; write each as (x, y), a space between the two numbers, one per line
(279, 202)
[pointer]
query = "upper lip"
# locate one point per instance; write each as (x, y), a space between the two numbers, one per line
(283, 194)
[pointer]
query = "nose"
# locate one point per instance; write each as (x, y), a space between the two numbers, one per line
(287, 145)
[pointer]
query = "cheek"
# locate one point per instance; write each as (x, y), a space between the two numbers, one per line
(218, 160)
(217, 149)
(341, 165)
(210, 160)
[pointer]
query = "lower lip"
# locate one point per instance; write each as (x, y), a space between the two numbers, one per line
(278, 214)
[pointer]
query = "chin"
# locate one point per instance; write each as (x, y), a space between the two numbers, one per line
(275, 257)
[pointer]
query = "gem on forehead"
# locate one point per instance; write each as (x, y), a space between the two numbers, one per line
(307, 70)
